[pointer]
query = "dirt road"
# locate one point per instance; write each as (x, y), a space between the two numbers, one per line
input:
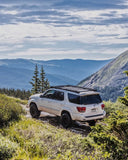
(77, 127)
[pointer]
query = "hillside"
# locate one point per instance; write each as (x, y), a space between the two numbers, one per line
(17, 73)
(27, 138)
(110, 78)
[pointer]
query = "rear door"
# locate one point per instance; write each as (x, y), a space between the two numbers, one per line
(52, 101)
(92, 103)
(57, 102)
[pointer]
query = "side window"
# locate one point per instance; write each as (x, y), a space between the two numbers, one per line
(52, 94)
(74, 98)
(59, 95)
(49, 94)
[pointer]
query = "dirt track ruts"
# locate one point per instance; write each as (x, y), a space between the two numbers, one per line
(77, 127)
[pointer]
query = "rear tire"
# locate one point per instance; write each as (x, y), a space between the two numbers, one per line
(92, 123)
(35, 113)
(66, 120)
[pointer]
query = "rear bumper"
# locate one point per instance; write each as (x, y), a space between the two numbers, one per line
(89, 118)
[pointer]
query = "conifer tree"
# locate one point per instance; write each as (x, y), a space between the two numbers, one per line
(47, 85)
(42, 80)
(35, 81)
(44, 83)
(23, 94)
(124, 99)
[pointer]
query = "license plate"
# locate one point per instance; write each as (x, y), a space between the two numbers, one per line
(93, 110)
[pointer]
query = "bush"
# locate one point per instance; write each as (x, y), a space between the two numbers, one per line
(19, 101)
(107, 142)
(111, 107)
(9, 110)
(7, 148)
(111, 135)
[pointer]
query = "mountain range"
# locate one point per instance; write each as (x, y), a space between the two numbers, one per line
(17, 73)
(110, 80)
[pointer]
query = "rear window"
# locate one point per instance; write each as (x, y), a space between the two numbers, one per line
(88, 99)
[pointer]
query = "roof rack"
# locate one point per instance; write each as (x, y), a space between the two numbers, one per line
(72, 88)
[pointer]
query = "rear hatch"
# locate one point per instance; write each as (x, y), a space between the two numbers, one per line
(92, 103)
(88, 105)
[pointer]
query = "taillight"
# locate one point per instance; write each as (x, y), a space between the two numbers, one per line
(102, 106)
(81, 109)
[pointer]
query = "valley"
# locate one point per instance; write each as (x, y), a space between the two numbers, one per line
(17, 73)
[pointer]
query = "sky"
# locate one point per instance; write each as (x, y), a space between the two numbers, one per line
(63, 29)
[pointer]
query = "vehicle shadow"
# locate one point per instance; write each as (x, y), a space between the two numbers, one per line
(77, 127)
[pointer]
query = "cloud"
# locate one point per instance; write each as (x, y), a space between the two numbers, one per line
(91, 5)
(63, 28)
(45, 54)
(38, 13)
(51, 53)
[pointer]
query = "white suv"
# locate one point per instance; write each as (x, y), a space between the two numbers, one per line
(71, 103)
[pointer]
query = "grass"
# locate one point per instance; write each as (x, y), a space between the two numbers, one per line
(9, 110)
(7, 148)
(31, 139)
(18, 100)
(41, 140)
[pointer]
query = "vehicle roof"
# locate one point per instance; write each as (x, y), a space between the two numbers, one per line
(76, 89)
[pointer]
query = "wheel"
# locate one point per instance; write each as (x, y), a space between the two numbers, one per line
(35, 113)
(66, 120)
(92, 123)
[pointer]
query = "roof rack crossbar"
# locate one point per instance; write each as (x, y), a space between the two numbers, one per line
(69, 89)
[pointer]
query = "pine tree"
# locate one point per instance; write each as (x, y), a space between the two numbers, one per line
(124, 99)
(35, 81)
(46, 84)
(39, 84)
(42, 80)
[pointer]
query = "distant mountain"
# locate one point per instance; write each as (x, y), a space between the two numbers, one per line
(110, 80)
(17, 73)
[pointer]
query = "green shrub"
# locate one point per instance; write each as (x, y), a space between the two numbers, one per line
(107, 142)
(9, 110)
(111, 135)
(111, 107)
(7, 148)
(124, 99)
(20, 101)
(118, 124)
